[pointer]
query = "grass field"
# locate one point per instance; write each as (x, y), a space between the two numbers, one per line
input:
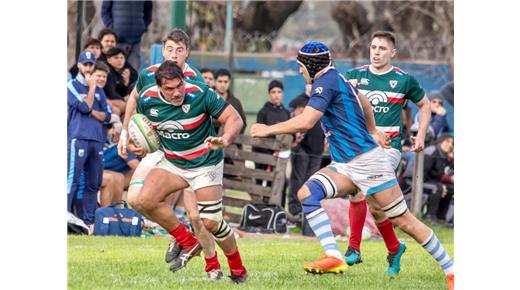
(272, 262)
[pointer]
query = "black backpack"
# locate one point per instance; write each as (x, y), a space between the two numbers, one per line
(263, 218)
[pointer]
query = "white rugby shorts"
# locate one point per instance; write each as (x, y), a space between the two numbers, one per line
(151, 159)
(371, 171)
(395, 157)
(196, 177)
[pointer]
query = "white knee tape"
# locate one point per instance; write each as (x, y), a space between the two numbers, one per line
(396, 208)
(328, 183)
(211, 210)
(223, 231)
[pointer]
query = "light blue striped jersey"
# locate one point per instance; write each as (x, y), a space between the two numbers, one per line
(343, 120)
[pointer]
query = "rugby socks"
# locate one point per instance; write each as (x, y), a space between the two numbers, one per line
(319, 222)
(357, 214)
(435, 248)
(212, 263)
(235, 263)
(386, 228)
(183, 236)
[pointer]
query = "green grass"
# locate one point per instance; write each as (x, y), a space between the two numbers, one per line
(272, 262)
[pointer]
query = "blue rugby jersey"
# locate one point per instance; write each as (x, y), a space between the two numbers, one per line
(112, 161)
(343, 120)
(79, 124)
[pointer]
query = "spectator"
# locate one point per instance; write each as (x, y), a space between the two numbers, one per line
(438, 121)
(93, 45)
(121, 80)
(435, 172)
(87, 110)
(108, 39)
(272, 112)
(130, 20)
(447, 92)
(306, 157)
(222, 83)
(116, 174)
(209, 77)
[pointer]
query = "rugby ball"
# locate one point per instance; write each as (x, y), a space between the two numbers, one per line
(143, 134)
(366, 234)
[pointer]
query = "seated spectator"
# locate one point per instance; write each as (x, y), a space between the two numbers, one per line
(209, 77)
(272, 112)
(435, 169)
(116, 174)
(438, 121)
(93, 45)
(121, 80)
(108, 39)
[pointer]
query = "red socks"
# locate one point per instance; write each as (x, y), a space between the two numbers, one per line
(386, 228)
(357, 214)
(212, 263)
(235, 263)
(183, 236)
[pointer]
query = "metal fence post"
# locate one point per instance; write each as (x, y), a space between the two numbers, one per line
(417, 183)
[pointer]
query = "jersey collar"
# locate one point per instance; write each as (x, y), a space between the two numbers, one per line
(382, 73)
(81, 79)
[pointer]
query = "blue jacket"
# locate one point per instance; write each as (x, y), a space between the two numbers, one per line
(128, 19)
(79, 124)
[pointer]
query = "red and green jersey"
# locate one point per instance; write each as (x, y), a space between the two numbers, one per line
(147, 76)
(387, 92)
(183, 129)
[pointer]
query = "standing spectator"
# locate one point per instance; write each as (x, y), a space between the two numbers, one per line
(130, 20)
(121, 79)
(306, 157)
(435, 171)
(108, 39)
(209, 77)
(222, 83)
(272, 112)
(438, 121)
(87, 110)
(93, 45)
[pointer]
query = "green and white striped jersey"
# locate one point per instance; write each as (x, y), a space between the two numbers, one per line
(387, 93)
(183, 129)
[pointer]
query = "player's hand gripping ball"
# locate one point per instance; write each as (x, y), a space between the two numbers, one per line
(143, 134)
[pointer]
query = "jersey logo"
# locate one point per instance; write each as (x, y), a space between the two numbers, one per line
(186, 108)
(318, 90)
(393, 83)
(376, 98)
(364, 81)
(170, 126)
(154, 112)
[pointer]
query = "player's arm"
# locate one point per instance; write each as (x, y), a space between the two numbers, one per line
(380, 137)
(369, 115)
(131, 105)
(424, 121)
(299, 123)
(232, 123)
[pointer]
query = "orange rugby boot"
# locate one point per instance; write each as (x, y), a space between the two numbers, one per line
(326, 264)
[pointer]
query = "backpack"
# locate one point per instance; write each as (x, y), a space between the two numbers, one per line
(263, 218)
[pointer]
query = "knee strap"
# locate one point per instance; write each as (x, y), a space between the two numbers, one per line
(223, 231)
(321, 186)
(211, 210)
(396, 208)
